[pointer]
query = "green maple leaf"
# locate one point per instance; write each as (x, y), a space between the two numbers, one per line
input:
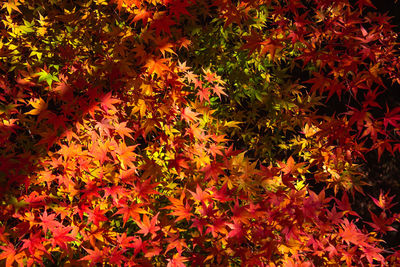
(48, 77)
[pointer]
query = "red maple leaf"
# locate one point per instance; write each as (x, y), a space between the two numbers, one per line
(162, 25)
(200, 195)
(35, 246)
(179, 208)
(204, 94)
(107, 102)
(117, 256)
(382, 223)
(213, 170)
(61, 237)
(290, 166)
(222, 195)
(96, 216)
(178, 8)
(148, 226)
(174, 241)
(49, 222)
(217, 227)
(143, 15)
(115, 191)
(188, 115)
(145, 189)
(177, 261)
(122, 130)
(9, 253)
(218, 90)
(132, 210)
(95, 256)
(351, 234)
(384, 202)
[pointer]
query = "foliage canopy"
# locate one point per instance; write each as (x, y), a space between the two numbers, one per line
(178, 132)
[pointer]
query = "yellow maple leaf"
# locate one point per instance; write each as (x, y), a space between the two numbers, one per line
(39, 105)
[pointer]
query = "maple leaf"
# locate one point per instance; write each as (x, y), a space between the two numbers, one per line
(117, 257)
(253, 41)
(107, 102)
(358, 116)
(34, 199)
(384, 202)
(61, 236)
(145, 189)
(383, 145)
(97, 216)
(9, 253)
(348, 255)
(147, 226)
(219, 90)
(162, 24)
(191, 77)
(240, 213)
(122, 130)
(139, 246)
(188, 115)
(319, 83)
(222, 194)
(39, 106)
(204, 94)
(132, 210)
(49, 222)
(179, 208)
(104, 126)
(125, 241)
(382, 223)
(392, 117)
(362, 3)
(213, 170)
(370, 129)
(178, 8)
(178, 162)
(177, 261)
(174, 241)
(183, 42)
(128, 176)
(237, 231)
(333, 216)
(372, 253)
(182, 66)
(218, 227)
(95, 256)
(90, 190)
(215, 149)
(126, 155)
(99, 150)
(143, 15)
(157, 66)
(200, 195)
(345, 206)
(11, 5)
(196, 132)
(34, 244)
(290, 166)
(351, 234)
(163, 45)
(271, 46)
(367, 37)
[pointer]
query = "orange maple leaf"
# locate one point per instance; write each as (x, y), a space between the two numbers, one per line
(157, 66)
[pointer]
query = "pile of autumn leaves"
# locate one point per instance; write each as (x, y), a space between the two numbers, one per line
(115, 151)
